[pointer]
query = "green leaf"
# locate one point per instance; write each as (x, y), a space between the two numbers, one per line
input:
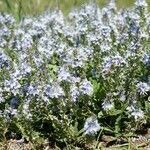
(147, 106)
(118, 124)
(114, 112)
(53, 67)
(100, 114)
(96, 85)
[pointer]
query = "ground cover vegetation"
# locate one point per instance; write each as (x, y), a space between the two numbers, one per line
(69, 80)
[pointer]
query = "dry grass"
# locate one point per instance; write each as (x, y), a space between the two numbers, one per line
(37, 6)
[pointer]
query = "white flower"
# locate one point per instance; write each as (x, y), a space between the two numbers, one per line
(122, 97)
(12, 85)
(115, 61)
(3, 42)
(143, 88)
(146, 59)
(63, 74)
(91, 126)
(25, 68)
(138, 114)
(5, 32)
(26, 110)
(4, 60)
(1, 96)
(54, 91)
(33, 90)
(14, 112)
(107, 105)
(141, 3)
(86, 87)
(26, 41)
(74, 91)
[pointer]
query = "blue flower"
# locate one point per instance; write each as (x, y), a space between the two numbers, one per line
(91, 125)
(86, 87)
(14, 103)
(143, 88)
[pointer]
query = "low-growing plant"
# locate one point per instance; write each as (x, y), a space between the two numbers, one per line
(69, 80)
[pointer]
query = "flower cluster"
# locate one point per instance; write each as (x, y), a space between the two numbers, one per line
(64, 69)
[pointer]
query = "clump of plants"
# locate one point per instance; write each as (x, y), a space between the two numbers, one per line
(69, 80)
